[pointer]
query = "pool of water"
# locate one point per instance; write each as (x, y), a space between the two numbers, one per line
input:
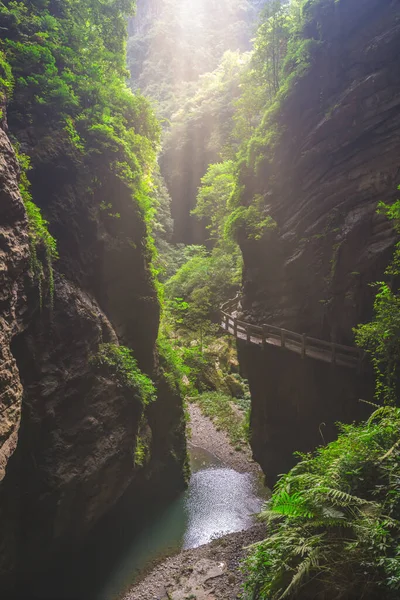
(218, 501)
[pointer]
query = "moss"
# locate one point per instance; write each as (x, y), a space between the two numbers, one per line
(142, 452)
(39, 235)
(121, 365)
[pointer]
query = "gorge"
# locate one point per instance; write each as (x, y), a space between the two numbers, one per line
(153, 166)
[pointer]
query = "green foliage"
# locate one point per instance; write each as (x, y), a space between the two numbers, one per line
(214, 196)
(142, 451)
(6, 78)
(174, 42)
(41, 241)
(381, 339)
(392, 212)
(333, 526)
(172, 363)
(381, 336)
(219, 408)
(67, 61)
(251, 220)
(283, 54)
(204, 282)
(119, 363)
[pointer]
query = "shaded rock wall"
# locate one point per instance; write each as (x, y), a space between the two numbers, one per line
(296, 403)
(14, 263)
(75, 449)
(337, 157)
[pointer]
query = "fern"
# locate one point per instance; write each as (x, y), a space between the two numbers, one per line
(293, 505)
(334, 521)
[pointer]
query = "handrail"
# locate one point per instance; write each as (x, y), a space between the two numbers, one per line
(300, 343)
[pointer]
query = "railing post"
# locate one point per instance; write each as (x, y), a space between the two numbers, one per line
(333, 357)
(303, 346)
(248, 340)
(264, 337)
(235, 327)
(283, 338)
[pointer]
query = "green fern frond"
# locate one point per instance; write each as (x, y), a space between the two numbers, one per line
(341, 498)
(290, 505)
(303, 570)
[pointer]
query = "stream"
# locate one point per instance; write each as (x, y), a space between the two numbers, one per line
(218, 501)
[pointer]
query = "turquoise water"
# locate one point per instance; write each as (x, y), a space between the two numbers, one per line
(218, 501)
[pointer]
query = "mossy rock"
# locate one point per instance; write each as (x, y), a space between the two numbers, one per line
(235, 387)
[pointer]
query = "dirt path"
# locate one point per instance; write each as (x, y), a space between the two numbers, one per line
(205, 435)
(210, 572)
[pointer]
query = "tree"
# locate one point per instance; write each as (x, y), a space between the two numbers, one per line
(213, 197)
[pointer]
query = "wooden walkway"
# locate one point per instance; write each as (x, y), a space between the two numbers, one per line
(302, 344)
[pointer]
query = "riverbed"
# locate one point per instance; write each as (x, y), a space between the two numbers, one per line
(220, 500)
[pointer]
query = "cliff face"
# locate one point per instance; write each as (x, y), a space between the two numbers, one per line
(336, 158)
(14, 263)
(80, 426)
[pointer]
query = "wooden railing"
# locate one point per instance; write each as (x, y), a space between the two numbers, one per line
(336, 354)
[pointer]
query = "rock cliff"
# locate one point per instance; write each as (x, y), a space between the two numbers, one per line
(336, 157)
(14, 261)
(74, 427)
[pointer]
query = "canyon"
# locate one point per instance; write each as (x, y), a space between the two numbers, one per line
(92, 398)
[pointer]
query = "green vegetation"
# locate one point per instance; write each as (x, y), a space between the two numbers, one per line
(381, 337)
(333, 522)
(6, 78)
(173, 364)
(39, 236)
(172, 43)
(219, 407)
(120, 364)
(201, 285)
(251, 221)
(214, 197)
(192, 298)
(142, 450)
(62, 69)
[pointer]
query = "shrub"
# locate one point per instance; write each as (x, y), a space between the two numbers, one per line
(252, 220)
(381, 337)
(333, 528)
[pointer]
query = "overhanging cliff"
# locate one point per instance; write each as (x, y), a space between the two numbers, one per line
(77, 428)
(335, 155)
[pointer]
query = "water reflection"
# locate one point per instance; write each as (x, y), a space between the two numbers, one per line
(218, 501)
